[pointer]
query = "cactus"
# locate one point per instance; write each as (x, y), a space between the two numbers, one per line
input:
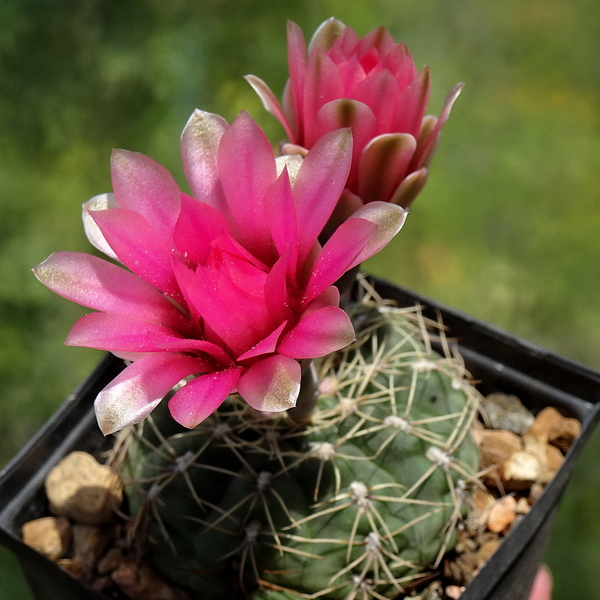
(357, 499)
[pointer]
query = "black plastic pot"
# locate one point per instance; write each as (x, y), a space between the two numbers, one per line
(500, 361)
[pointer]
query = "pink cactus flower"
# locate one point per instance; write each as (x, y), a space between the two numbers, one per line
(223, 291)
(369, 84)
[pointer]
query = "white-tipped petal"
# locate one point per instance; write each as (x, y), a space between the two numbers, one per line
(92, 231)
(389, 219)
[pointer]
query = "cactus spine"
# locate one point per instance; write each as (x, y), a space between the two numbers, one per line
(357, 502)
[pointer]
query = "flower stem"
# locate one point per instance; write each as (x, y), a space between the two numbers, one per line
(307, 399)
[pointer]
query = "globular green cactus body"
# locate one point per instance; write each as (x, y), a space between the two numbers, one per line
(357, 501)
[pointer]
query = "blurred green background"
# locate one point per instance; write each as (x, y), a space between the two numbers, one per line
(508, 227)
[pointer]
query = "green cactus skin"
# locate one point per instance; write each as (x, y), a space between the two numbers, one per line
(358, 502)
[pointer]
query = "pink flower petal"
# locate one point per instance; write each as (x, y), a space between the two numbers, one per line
(389, 219)
(401, 65)
(272, 384)
(424, 154)
(191, 345)
(412, 105)
(247, 168)
(323, 83)
(379, 39)
(280, 213)
(214, 306)
(196, 229)
(351, 72)
(323, 331)
(98, 284)
(383, 165)
(92, 231)
(347, 205)
(115, 332)
(326, 35)
(347, 43)
(145, 186)
(338, 255)
(199, 143)
(319, 185)
(380, 92)
(330, 297)
(278, 299)
(270, 102)
(199, 398)
(344, 112)
(140, 247)
(294, 90)
(265, 346)
(290, 110)
(136, 391)
(410, 188)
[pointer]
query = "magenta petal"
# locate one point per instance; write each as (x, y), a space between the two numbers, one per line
(145, 186)
(350, 113)
(199, 144)
(347, 205)
(200, 397)
(280, 213)
(172, 343)
(402, 66)
(92, 231)
(270, 102)
(114, 332)
(347, 43)
(265, 346)
(330, 297)
(135, 392)
(323, 331)
(412, 104)
(196, 229)
(383, 165)
(247, 168)
(380, 92)
(424, 154)
(98, 284)
(272, 384)
(290, 111)
(326, 35)
(140, 247)
(213, 305)
(323, 83)
(319, 185)
(338, 255)
(277, 293)
(294, 89)
(389, 219)
(409, 189)
(380, 39)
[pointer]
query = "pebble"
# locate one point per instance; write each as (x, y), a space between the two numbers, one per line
(520, 471)
(552, 427)
(80, 488)
(110, 561)
(505, 411)
(89, 544)
(73, 566)
(139, 581)
(49, 535)
(502, 514)
(523, 506)
(486, 550)
(454, 591)
(497, 446)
